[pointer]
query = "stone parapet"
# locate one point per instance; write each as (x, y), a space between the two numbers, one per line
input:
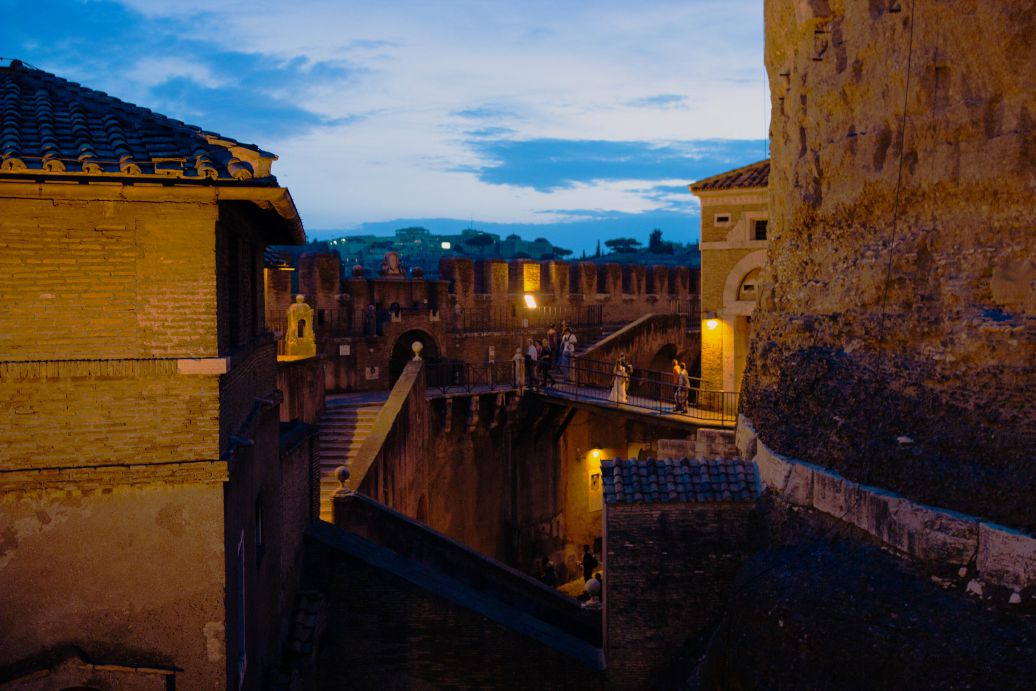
(1003, 556)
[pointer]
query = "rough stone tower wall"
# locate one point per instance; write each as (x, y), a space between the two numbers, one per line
(895, 339)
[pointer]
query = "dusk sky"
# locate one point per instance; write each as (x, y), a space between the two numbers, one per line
(568, 120)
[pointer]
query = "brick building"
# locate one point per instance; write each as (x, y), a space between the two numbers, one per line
(675, 534)
(143, 536)
(734, 226)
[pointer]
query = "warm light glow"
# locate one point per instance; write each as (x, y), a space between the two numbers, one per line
(596, 453)
(530, 301)
(445, 245)
(711, 324)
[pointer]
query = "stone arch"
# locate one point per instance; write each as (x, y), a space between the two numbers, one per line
(737, 315)
(736, 276)
(403, 353)
(662, 361)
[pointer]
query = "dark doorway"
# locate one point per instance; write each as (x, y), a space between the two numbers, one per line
(402, 351)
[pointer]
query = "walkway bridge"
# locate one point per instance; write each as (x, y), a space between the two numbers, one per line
(591, 382)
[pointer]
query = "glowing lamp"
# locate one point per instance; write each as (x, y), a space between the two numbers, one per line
(710, 321)
(445, 245)
(530, 301)
(596, 453)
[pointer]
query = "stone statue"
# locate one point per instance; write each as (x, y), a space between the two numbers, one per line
(391, 265)
(300, 341)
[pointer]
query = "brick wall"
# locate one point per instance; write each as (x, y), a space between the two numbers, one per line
(92, 279)
(81, 414)
(668, 570)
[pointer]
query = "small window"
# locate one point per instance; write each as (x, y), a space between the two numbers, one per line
(722, 219)
(749, 288)
(760, 230)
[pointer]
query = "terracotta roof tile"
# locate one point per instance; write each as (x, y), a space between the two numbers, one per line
(684, 480)
(753, 175)
(51, 125)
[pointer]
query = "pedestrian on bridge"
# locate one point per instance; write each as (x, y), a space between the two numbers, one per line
(518, 370)
(532, 356)
(568, 349)
(546, 362)
(682, 385)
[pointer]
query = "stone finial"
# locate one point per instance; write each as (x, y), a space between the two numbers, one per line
(358, 271)
(418, 272)
(342, 475)
(417, 347)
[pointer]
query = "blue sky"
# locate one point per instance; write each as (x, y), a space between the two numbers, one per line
(575, 119)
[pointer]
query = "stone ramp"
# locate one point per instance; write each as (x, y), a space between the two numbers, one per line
(396, 619)
(347, 421)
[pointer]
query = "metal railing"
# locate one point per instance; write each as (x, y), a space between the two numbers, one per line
(457, 376)
(649, 389)
(593, 380)
(514, 318)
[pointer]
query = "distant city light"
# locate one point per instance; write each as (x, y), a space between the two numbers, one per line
(530, 301)
(445, 245)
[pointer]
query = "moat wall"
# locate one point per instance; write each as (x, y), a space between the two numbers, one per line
(894, 340)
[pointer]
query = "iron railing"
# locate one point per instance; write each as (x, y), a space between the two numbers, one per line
(649, 389)
(593, 380)
(457, 376)
(514, 318)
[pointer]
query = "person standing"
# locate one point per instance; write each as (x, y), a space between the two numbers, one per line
(620, 380)
(589, 563)
(532, 356)
(549, 576)
(518, 370)
(682, 384)
(546, 362)
(568, 349)
(552, 337)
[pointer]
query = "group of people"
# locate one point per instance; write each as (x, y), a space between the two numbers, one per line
(592, 579)
(535, 366)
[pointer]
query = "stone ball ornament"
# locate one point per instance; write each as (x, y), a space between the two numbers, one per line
(417, 347)
(342, 475)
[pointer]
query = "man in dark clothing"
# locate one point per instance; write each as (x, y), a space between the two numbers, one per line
(546, 362)
(589, 563)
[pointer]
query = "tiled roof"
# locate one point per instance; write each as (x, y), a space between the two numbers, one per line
(753, 175)
(50, 125)
(272, 259)
(684, 480)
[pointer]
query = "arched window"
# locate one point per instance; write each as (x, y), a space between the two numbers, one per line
(749, 288)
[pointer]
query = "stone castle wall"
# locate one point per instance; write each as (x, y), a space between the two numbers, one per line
(894, 340)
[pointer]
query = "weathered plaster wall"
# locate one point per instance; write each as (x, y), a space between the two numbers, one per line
(130, 573)
(896, 341)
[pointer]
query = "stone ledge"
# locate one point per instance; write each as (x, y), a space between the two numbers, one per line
(209, 365)
(1004, 557)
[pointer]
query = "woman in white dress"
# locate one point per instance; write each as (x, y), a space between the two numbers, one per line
(620, 381)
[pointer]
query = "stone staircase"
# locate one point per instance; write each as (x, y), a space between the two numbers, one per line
(346, 423)
(583, 346)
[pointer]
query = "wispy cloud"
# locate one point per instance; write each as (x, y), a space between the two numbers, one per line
(660, 101)
(551, 164)
(507, 113)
